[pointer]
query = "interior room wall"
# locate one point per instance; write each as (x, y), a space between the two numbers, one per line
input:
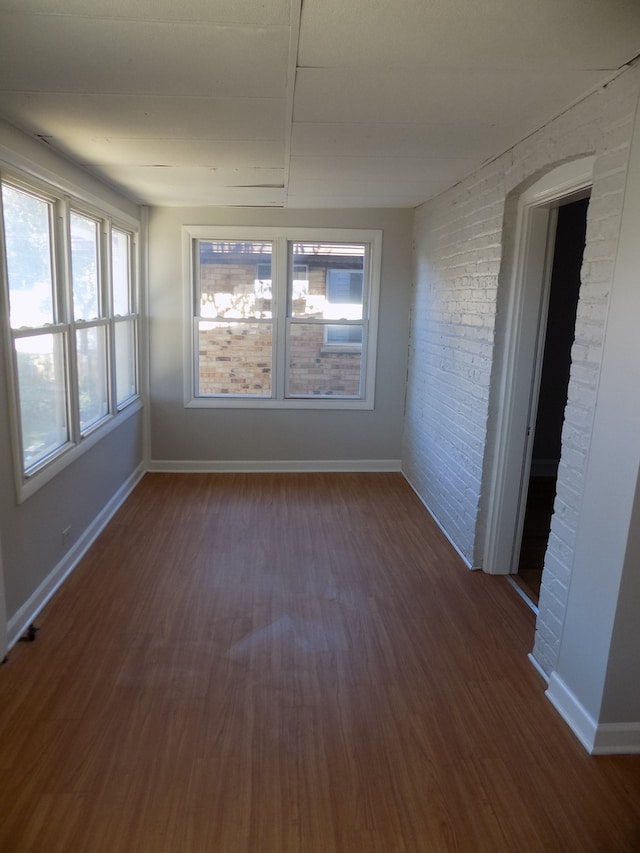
(34, 555)
(462, 243)
(208, 437)
(597, 677)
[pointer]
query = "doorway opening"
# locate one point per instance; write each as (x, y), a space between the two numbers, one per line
(549, 221)
(539, 491)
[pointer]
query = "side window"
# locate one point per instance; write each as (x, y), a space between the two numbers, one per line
(39, 335)
(329, 324)
(125, 316)
(70, 296)
(91, 325)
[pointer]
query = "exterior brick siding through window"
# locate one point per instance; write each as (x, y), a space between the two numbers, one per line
(282, 319)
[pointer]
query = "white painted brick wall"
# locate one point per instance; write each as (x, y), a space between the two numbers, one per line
(458, 240)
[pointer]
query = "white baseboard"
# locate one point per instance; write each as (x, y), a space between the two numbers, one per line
(198, 466)
(597, 738)
(21, 620)
(444, 532)
(534, 663)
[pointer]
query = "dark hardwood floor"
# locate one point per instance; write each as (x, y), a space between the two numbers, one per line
(291, 664)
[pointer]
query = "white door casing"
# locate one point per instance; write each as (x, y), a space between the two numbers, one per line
(519, 371)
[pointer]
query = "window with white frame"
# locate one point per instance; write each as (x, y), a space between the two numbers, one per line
(71, 315)
(282, 318)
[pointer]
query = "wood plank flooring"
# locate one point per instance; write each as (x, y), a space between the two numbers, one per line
(292, 663)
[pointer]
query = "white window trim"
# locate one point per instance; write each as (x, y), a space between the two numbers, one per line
(280, 237)
(27, 484)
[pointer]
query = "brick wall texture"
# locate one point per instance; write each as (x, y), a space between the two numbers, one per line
(461, 242)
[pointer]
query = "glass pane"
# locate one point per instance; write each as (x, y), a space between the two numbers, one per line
(343, 335)
(43, 404)
(235, 359)
(319, 370)
(333, 284)
(27, 231)
(120, 272)
(91, 349)
(84, 267)
(126, 372)
(235, 280)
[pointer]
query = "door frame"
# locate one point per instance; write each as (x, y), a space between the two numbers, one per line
(520, 361)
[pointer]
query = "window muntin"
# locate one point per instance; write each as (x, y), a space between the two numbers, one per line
(65, 355)
(280, 319)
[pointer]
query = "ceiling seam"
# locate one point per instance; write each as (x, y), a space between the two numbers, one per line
(292, 69)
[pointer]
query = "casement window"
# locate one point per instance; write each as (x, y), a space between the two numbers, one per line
(70, 313)
(281, 318)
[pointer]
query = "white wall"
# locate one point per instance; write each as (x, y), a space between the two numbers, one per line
(462, 245)
(209, 437)
(34, 558)
(598, 671)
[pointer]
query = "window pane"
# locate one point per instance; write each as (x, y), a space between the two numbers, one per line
(27, 230)
(120, 272)
(84, 267)
(343, 334)
(235, 358)
(333, 289)
(91, 347)
(126, 372)
(235, 280)
(319, 371)
(43, 403)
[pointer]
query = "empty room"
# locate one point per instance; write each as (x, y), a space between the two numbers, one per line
(319, 426)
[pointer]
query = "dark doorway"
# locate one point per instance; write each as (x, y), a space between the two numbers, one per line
(556, 363)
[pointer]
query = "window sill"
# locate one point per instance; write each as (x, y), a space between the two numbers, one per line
(316, 403)
(45, 473)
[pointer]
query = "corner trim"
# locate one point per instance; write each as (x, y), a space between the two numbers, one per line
(21, 620)
(597, 738)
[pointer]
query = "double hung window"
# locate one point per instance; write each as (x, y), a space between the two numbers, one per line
(70, 308)
(282, 318)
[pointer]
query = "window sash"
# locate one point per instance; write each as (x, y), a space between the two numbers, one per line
(284, 270)
(126, 362)
(34, 241)
(67, 373)
(86, 266)
(43, 395)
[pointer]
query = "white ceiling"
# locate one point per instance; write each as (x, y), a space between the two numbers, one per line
(299, 103)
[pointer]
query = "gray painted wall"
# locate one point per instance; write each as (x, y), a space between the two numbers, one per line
(245, 435)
